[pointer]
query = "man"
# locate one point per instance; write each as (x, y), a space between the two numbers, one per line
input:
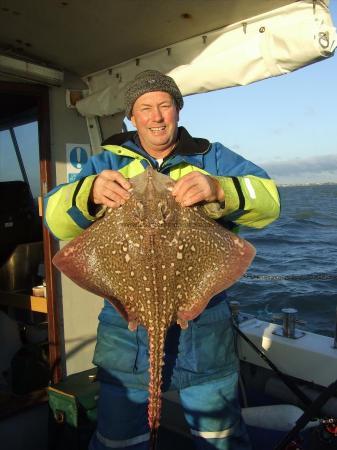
(200, 362)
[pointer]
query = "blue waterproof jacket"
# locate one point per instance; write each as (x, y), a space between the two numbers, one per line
(205, 350)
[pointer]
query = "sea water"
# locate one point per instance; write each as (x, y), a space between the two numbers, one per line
(296, 260)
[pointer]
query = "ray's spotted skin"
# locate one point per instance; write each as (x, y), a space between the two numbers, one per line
(157, 262)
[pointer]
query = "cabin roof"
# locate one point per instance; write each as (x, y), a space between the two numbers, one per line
(85, 36)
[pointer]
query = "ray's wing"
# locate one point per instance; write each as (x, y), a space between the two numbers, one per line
(104, 259)
(208, 260)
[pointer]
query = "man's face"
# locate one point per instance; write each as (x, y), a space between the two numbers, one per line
(156, 116)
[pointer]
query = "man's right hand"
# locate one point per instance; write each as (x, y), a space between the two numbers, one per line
(110, 188)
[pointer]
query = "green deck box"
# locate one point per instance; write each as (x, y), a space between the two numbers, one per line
(73, 411)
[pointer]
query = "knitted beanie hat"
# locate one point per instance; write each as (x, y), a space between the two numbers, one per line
(150, 81)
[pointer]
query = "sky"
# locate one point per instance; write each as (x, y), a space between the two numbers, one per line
(285, 124)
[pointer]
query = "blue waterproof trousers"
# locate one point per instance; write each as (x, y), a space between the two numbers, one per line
(200, 363)
(211, 410)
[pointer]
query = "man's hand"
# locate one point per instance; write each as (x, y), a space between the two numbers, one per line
(110, 188)
(196, 187)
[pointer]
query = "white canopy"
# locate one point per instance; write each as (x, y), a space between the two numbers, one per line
(270, 44)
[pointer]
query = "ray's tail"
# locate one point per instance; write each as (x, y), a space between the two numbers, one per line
(156, 348)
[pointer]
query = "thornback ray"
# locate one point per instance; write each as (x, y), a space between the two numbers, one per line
(157, 262)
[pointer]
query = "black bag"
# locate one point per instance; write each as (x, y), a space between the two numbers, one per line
(321, 439)
(19, 221)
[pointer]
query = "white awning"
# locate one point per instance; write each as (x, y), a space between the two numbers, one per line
(271, 44)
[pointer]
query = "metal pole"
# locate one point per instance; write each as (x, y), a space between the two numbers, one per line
(289, 321)
(20, 161)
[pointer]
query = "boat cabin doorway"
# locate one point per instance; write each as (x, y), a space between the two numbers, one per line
(29, 350)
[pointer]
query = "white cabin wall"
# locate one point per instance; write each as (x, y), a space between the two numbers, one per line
(78, 308)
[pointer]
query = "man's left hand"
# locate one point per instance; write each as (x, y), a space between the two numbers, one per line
(197, 187)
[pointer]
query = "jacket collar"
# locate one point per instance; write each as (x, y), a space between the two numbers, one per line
(186, 145)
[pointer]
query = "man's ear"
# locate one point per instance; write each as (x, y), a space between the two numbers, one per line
(132, 118)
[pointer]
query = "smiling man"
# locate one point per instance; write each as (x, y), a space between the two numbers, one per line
(200, 361)
(156, 116)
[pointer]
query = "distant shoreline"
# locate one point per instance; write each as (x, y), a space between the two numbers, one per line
(307, 184)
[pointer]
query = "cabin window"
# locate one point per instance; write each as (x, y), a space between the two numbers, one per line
(27, 140)
(9, 165)
(23, 305)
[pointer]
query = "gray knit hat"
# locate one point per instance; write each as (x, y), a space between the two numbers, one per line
(150, 81)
